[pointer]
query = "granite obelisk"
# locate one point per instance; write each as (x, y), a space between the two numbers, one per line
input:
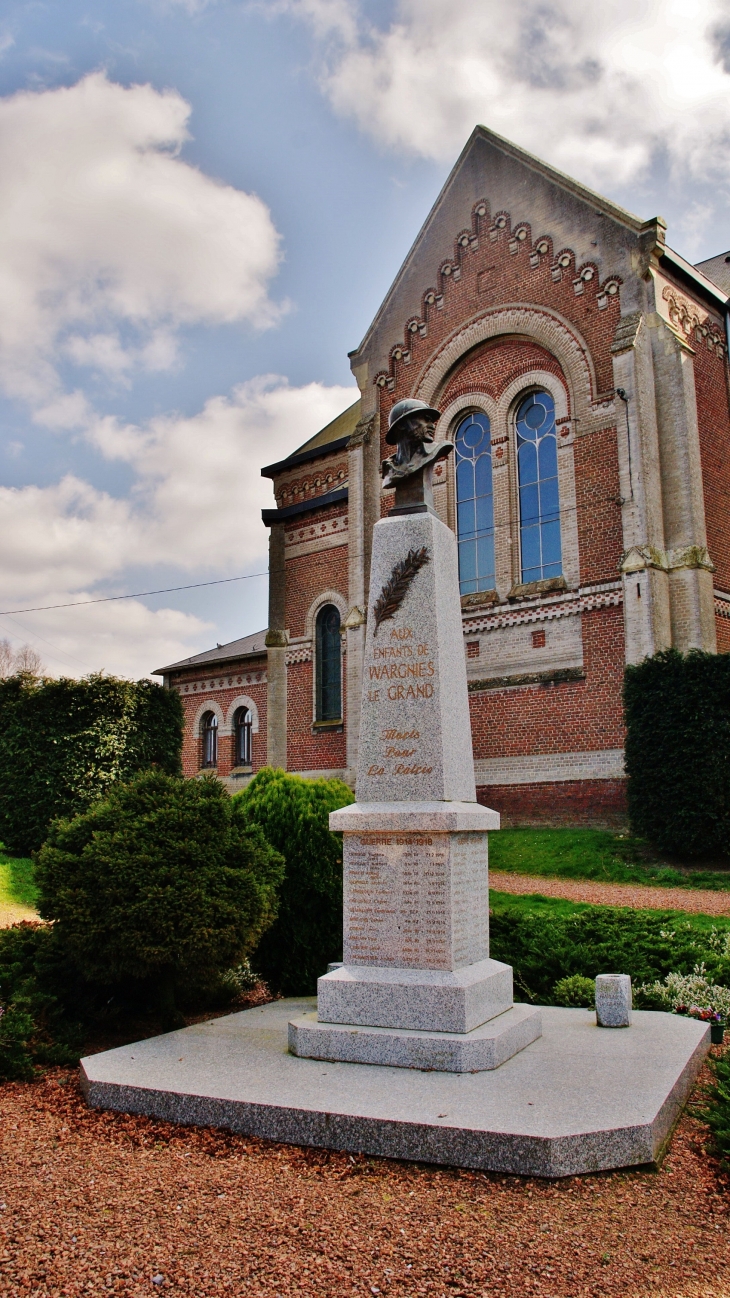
(417, 987)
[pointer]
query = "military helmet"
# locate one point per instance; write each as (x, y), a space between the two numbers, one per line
(401, 410)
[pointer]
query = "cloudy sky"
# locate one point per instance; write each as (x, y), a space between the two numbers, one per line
(202, 205)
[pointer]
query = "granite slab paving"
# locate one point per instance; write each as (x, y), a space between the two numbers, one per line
(579, 1099)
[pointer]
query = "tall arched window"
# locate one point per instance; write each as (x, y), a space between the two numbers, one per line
(537, 473)
(242, 737)
(209, 735)
(474, 504)
(328, 663)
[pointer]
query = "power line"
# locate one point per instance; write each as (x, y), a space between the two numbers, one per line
(108, 599)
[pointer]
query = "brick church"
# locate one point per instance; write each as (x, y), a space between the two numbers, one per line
(581, 369)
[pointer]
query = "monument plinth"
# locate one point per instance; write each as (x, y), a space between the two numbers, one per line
(416, 963)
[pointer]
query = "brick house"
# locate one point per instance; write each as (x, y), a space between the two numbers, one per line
(581, 367)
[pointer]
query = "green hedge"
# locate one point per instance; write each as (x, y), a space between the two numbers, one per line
(544, 949)
(64, 742)
(678, 751)
(293, 813)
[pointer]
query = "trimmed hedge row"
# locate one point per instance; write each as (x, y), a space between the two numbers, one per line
(64, 742)
(678, 751)
(543, 949)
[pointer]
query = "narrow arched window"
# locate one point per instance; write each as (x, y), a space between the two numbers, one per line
(537, 475)
(242, 737)
(328, 665)
(474, 504)
(209, 735)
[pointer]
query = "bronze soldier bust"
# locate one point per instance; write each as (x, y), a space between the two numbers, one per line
(412, 430)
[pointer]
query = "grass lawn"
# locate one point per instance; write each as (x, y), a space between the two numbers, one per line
(594, 854)
(16, 881)
(535, 904)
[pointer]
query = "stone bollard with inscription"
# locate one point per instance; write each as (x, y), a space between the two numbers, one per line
(613, 1001)
(417, 988)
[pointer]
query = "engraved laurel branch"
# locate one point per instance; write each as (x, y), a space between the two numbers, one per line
(394, 591)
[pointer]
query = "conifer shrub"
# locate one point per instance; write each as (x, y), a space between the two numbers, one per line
(164, 880)
(16, 1029)
(293, 813)
(716, 1111)
(64, 742)
(544, 949)
(42, 996)
(678, 751)
(575, 990)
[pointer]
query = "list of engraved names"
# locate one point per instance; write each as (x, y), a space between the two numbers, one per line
(415, 900)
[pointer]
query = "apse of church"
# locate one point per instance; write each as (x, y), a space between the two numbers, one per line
(579, 366)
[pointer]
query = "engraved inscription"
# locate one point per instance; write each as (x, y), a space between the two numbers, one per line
(416, 901)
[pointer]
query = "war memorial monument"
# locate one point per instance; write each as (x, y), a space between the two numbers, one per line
(415, 1047)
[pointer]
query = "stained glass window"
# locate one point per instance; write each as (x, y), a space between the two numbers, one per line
(329, 665)
(537, 475)
(474, 504)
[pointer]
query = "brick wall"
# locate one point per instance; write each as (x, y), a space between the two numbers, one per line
(222, 688)
(497, 267)
(308, 575)
(308, 749)
(566, 717)
(714, 426)
(722, 625)
(309, 481)
(594, 803)
(492, 366)
(600, 538)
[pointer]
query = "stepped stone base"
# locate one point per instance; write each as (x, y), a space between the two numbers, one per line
(579, 1099)
(428, 1000)
(483, 1048)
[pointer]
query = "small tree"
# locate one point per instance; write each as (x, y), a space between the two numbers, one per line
(293, 813)
(163, 879)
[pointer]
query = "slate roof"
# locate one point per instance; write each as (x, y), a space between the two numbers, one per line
(718, 270)
(339, 430)
(246, 647)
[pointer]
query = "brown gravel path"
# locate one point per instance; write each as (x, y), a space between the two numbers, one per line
(636, 895)
(11, 913)
(94, 1203)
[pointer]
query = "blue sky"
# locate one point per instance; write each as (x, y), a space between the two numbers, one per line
(203, 205)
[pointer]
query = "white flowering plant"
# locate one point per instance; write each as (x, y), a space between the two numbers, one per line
(691, 994)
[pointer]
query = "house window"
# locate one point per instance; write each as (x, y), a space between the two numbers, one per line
(474, 504)
(242, 721)
(328, 665)
(537, 475)
(209, 735)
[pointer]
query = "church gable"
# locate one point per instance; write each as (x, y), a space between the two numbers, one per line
(498, 198)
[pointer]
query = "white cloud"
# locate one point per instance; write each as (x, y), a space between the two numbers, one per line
(127, 639)
(195, 507)
(597, 89)
(110, 242)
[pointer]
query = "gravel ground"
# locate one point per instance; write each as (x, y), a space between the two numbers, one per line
(636, 895)
(11, 913)
(95, 1203)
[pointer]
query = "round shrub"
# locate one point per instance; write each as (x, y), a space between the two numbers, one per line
(164, 879)
(575, 990)
(293, 814)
